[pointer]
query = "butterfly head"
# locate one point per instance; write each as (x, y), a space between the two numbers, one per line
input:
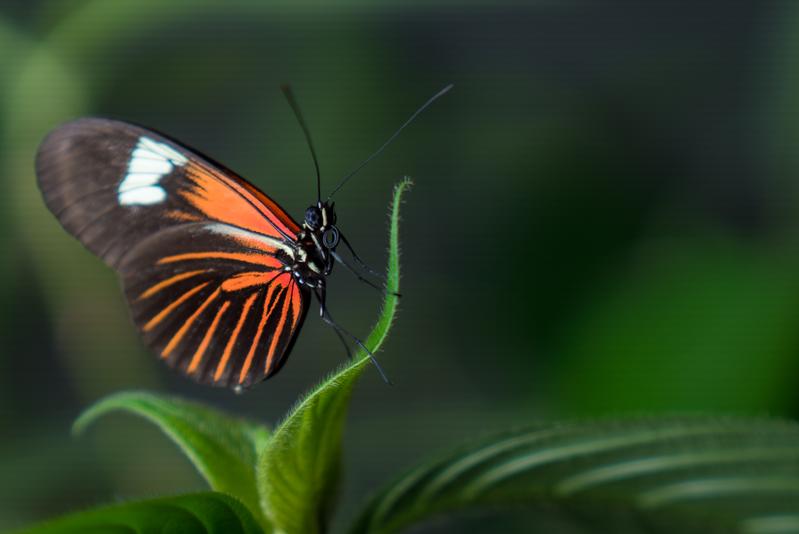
(321, 220)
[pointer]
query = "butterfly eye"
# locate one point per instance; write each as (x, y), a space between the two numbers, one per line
(313, 217)
(330, 237)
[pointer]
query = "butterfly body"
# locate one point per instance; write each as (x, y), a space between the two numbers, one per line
(317, 243)
(217, 276)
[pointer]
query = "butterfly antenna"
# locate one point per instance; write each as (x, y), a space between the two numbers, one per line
(328, 319)
(289, 94)
(390, 139)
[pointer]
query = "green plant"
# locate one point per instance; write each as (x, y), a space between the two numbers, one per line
(667, 474)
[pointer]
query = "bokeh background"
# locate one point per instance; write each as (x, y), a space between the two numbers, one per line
(605, 219)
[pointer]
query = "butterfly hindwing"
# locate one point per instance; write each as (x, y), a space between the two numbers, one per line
(214, 301)
(201, 252)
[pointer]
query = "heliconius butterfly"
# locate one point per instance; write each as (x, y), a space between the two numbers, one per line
(217, 275)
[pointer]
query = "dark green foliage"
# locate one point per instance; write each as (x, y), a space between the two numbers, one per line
(221, 447)
(212, 513)
(699, 474)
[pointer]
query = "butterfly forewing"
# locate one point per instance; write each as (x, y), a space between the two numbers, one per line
(112, 184)
(201, 252)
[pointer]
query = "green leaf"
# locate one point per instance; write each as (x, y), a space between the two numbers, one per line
(698, 474)
(222, 448)
(215, 513)
(298, 469)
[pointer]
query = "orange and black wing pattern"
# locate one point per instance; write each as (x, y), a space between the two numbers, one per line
(202, 253)
(215, 302)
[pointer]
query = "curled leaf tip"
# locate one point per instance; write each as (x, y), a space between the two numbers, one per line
(297, 470)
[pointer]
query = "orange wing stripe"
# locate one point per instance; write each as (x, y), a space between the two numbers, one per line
(183, 329)
(168, 282)
(177, 302)
(198, 356)
(276, 336)
(296, 302)
(258, 259)
(245, 280)
(273, 211)
(182, 216)
(248, 362)
(232, 341)
(219, 197)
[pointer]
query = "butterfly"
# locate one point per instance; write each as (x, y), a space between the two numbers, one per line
(217, 275)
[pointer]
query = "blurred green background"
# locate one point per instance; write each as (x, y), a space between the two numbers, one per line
(604, 220)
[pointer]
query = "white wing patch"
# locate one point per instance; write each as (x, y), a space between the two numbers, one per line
(149, 162)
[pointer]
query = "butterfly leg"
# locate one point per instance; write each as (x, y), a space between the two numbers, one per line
(328, 319)
(344, 342)
(357, 275)
(360, 262)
